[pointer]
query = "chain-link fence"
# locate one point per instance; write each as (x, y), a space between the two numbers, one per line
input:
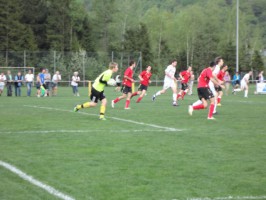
(89, 65)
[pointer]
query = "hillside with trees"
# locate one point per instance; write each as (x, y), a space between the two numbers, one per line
(193, 31)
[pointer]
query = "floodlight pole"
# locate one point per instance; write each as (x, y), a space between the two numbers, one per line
(237, 33)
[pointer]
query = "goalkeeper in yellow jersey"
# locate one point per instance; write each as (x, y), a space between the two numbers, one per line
(97, 91)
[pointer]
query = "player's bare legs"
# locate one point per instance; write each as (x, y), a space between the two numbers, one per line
(174, 89)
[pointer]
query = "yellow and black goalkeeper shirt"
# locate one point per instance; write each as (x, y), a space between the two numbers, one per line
(101, 81)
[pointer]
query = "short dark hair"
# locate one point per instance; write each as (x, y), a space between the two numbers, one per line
(212, 64)
(174, 60)
(131, 62)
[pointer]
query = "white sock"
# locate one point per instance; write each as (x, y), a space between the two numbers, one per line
(215, 105)
(197, 103)
(246, 93)
(174, 97)
(158, 93)
(237, 90)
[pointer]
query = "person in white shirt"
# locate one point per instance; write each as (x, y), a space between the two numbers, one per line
(169, 82)
(74, 83)
(118, 83)
(244, 84)
(29, 78)
(47, 82)
(219, 63)
(260, 77)
(56, 78)
(2, 82)
(191, 82)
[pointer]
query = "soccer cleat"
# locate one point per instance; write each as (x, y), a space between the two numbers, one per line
(190, 110)
(102, 118)
(175, 104)
(211, 118)
(127, 108)
(219, 104)
(215, 113)
(153, 98)
(76, 109)
(113, 104)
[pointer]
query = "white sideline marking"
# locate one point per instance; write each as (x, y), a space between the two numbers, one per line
(33, 181)
(119, 119)
(229, 198)
(81, 131)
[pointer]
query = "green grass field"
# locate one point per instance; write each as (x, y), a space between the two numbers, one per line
(152, 152)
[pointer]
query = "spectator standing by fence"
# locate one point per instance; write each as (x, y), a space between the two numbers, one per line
(18, 83)
(227, 82)
(47, 82)
(56, 78)
(9, 81)
(74, 83)
(29, 78)
(2, 82)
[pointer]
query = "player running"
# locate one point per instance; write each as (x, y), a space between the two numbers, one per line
(218, 89)
(97, 91)
(204, 91)
(244, 84)
(185, 77)
(144, 78)
(127, 85)
(169, 82)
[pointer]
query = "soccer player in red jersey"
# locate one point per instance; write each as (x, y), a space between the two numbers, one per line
(218, 89)
(204, 91)
(144, 78)
(185, 77)
(127, 85)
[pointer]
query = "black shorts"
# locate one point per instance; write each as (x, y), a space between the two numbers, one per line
(127, 89)
(142, 87)
(45, 86)
(205, 93)
(96, 95)
(184, 86)
(38, 86)
(218, 88)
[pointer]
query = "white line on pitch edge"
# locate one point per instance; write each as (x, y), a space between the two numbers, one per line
(33, 181)
(115, 118)
(81, 131)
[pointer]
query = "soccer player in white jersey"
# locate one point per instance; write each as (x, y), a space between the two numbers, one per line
(219, 63)
(244, 84)
(169, 82)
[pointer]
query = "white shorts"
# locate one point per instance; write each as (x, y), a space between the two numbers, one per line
(169, 84)
(212, 88)
(243, 85)
(2, 87)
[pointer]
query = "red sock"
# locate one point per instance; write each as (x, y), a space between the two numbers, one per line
(116, 100)
(198, 107)
(219, 100)
(211, 110)
(127, 103)
(134, 94)
(179, 95)
(184, 93)
(139, 99)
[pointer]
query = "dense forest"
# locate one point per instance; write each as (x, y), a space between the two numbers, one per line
(192, 31)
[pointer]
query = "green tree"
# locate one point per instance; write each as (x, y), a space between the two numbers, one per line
(257, 62)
